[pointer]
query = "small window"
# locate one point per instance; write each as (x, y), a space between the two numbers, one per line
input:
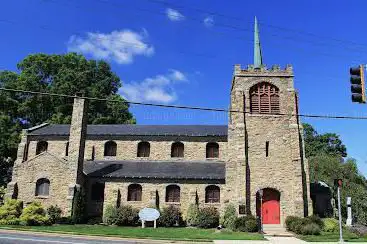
(93, 153)
(143, 149)
(67, 149)
(267, 148)
(177, 150)
(26, 149)
(97, 191)
(110, 148)
(212, 194)
(212, 150)
(134, 192)
(172, 193)
(41, 147)
(42, 187)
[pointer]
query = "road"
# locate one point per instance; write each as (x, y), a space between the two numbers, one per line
(17, 237)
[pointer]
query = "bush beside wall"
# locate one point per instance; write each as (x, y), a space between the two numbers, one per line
(170, 216)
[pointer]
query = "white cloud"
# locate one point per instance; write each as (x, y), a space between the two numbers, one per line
(159, 89)
(119, 46)
(174, 15)
(208, 21)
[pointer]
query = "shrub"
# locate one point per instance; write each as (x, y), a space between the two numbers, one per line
(229, 216)
(360, 230)
(292, 223)
(171, 216)
(110, 215)
(11, 210)
(246, 223)
(192, 215)
(34, 214)
(208, 217)
(310, 229)
(316, 220)
(124, 215)
(54, 214)
(94, 220)
(14, 221)
(2, 194)
(79, 207)
(330, 225)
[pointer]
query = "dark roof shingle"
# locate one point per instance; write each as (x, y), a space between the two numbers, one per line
(201, 170)
(136, 130)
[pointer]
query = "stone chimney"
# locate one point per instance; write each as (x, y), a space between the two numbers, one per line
(77, 137)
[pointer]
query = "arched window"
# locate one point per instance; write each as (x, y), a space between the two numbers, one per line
(212, 150)
(143, 149)
(177, 150)
(97, 191)
(110, 148)
(67, 149)
(41, 147)
(42, 187)
(134, 192)
(212, 194)
(264, 99)
(172, 193)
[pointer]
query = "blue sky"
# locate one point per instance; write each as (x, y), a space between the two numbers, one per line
(183, 52)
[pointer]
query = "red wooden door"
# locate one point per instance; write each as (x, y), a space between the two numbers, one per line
(271, 208)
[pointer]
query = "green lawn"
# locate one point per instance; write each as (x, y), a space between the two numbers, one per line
(326, 237)
(137, 232)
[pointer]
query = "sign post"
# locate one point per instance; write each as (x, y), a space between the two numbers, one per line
(349, 211)
(148, 214)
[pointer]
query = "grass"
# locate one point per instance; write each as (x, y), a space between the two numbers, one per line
(191, 234)
(328, 237)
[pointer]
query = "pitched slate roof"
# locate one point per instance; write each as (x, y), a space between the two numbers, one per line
(135, 130)
(201, 170)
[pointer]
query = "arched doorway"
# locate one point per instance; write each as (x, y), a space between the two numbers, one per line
(270, 206)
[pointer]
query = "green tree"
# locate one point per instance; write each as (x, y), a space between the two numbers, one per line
(326, 154)
(64, 74)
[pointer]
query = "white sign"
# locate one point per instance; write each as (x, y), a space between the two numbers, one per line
(149, 214)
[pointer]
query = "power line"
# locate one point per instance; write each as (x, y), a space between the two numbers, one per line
(225, 26)
(179, 106)
(212, 13)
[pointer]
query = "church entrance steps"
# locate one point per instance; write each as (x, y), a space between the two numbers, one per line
(276, 230)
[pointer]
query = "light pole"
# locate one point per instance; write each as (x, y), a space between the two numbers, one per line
(260, 192)
(339, 184)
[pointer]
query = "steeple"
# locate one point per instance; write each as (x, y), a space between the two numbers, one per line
(258, 59)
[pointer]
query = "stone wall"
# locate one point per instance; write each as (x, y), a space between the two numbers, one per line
(45, 165)
(188, 191)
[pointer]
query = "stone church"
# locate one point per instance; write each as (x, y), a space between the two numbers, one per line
(256, 162)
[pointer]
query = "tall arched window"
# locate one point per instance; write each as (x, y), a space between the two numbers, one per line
(110, 148)
(97, 191)
(143, 149)
(264, 98)
(212, 150)
(172, 193)
(41, 147)
(177, 150)
(42, 187)
(134, 192)
(212, 194)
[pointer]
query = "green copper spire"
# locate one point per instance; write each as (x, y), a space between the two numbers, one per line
(258, 59)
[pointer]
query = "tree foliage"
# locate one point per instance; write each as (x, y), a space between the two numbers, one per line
(64, 74)
(326, 154)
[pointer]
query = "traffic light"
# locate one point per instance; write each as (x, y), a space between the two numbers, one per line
(357, 78)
